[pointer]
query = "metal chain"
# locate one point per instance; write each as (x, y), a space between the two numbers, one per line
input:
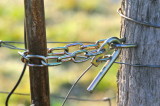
(64, 54)
(57, 55)
(7, 44)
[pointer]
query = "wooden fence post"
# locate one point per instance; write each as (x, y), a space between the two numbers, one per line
(36, 43)
(140, 86)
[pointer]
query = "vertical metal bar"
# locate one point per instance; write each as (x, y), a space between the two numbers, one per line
(36, 43)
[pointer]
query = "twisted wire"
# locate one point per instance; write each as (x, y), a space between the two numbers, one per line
(7, 44)
(16, 42)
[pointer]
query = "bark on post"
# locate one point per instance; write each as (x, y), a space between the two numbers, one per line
(140, 86)
(36, 40)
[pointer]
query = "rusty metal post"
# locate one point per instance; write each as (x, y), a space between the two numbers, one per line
(36, 44)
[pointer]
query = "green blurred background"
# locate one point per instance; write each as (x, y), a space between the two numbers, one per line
(66, 20)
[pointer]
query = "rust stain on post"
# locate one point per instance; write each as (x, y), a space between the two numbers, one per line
(36, 43)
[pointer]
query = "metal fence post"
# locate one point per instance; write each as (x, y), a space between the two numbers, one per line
(36, 43)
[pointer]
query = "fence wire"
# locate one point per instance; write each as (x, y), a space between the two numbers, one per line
(105, 99)
(8, 44)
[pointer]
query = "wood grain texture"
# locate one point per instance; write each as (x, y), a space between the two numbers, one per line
(140, 86)
(36, 43)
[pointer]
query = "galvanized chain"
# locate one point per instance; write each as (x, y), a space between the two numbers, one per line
(98, 52)
(57, 55)
(8, 44)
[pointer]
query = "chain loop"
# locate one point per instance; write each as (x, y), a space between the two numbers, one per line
(90, 47)
(72, 45)
(42, 59)
(82, 58)
(53, 63)
(50, 51)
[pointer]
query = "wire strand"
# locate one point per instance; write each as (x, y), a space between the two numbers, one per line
(69, 92)
(12, 47)
(18, 82)
(16, 42)
(136, 21)
(139, 65)
(70, 42)
(7, 44)
(70, 98)
(25, 65)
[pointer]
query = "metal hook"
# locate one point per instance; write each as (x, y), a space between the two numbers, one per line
(105, 47)
(104, 70)
(108, 64)
(111, 43)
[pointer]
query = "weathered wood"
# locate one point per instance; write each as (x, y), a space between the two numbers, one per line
(36, 42)
(140, 86)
